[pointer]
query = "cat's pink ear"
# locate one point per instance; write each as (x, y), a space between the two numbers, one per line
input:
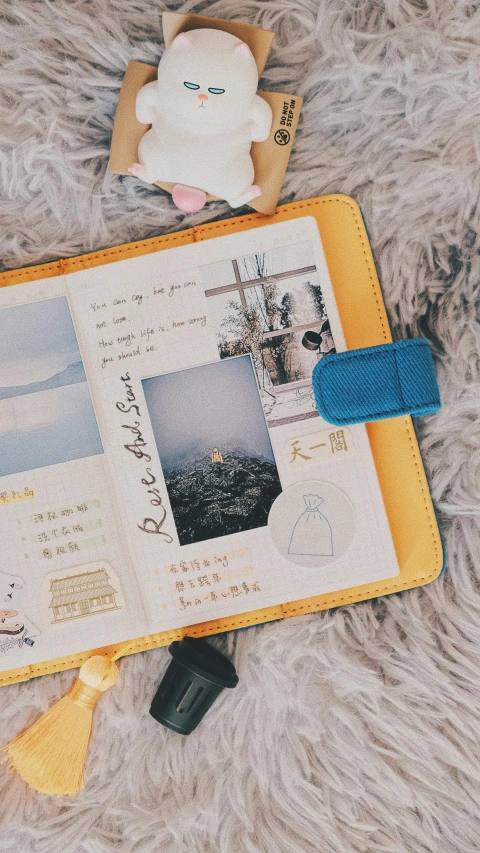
(242, 49)
(182, 40)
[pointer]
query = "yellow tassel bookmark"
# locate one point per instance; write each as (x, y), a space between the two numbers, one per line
(50, 755)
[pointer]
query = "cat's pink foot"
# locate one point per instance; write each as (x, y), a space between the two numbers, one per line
(188, 199)
(253, 192)
(136, 169)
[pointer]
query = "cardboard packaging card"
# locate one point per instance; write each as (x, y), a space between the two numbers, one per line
(270, 158)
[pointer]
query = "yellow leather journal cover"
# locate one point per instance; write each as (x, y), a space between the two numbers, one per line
(393, 442)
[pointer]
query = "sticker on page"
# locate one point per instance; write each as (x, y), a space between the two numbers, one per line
(17, 631)
(312, 523)
(82, 592)
(323, 446)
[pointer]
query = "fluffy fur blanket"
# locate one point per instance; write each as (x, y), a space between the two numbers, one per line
(353, 730)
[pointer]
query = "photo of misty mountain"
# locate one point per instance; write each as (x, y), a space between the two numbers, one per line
(214, 448)
(46, 412)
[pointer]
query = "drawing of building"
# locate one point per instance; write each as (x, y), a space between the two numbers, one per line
(82, 595)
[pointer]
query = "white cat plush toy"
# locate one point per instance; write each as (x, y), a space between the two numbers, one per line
(205, 114)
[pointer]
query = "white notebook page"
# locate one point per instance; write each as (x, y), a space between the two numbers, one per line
(204, 396)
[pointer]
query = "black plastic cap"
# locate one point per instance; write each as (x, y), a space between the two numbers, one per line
(195, 677)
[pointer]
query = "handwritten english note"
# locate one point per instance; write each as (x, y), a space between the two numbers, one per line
(142, 322)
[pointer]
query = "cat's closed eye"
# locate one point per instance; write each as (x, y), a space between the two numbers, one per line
(191, 85)
(216, 91)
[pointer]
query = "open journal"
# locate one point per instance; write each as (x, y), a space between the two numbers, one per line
(162, 462)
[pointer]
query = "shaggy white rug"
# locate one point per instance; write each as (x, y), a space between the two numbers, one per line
(353, 730)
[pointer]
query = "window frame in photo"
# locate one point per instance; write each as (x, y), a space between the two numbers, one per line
(240, 286)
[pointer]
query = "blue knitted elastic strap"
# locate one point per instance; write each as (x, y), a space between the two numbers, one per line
(376, 382)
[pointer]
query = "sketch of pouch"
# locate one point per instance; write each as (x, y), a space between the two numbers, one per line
(312, 534)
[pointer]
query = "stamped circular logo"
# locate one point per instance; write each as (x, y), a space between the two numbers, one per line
(312, 523)
(282, 137)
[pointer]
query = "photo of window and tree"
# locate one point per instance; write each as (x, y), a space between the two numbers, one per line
(263, 304)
